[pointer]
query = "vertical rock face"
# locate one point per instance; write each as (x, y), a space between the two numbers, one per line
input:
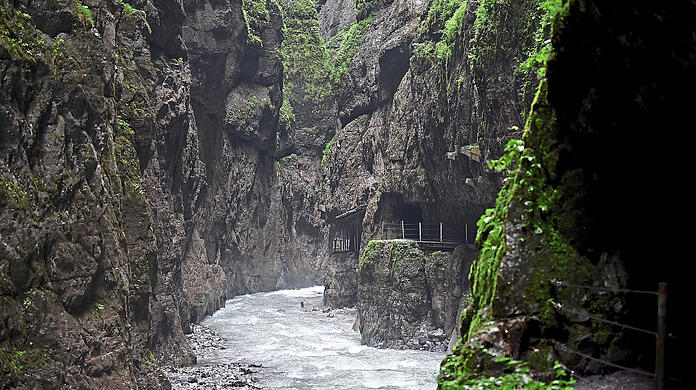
(408, 298)
(90, 270)
(341, 288)
(140, 186)
(569, 213)
(429, 98)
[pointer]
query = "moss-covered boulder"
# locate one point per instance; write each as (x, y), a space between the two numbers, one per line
(408, 298)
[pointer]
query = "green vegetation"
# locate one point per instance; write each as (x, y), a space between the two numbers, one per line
(395, 252)
(124, 128)
(256, 17)
(349, 44)
(288, 160)
(516, 375)
(19, 36)
(370, 250)
(10, 189)
(14, 362)
(306, 61)
(84, 13)
(240, 115)
(287, 114)
(327, 149)
(542, 47)
(56, 48)
(533, 190)
(313, 68)
(513, 150)
(127, 8)
(128, 161)
(445, 19)
(96, 312)
(363, 9)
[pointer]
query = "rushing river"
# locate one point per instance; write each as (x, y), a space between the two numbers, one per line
(305, 348)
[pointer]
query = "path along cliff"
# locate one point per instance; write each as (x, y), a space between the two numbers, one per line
(159, 157)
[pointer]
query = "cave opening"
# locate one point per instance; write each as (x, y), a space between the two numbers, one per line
(410, 213)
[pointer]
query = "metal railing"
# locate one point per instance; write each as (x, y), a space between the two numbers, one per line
(425, 232)
(660, 334)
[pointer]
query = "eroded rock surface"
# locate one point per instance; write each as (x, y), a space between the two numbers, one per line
(408, 298)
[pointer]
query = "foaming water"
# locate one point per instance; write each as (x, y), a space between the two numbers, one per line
(305, 349)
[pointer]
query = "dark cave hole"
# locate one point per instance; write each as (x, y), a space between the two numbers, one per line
(410, 213)
(397, 210)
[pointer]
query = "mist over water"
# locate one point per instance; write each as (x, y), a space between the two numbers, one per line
(302, 348)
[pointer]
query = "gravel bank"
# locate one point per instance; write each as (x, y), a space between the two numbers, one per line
(205, 343)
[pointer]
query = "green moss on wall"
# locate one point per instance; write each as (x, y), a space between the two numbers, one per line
(372, 249)
(10, 190)
(306, 62)
(19, 37)
(256, 17)
(327, 149)
(349, 44)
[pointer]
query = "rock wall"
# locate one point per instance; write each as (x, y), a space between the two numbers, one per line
(428, 83)
(90, 239)
(141, 185)
(568, 214)
(408, 298)
(341, 288)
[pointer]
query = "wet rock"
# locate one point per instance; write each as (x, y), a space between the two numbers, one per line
(205, 342)
(406, 299)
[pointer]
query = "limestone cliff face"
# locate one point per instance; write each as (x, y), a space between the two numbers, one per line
(91, 243)
(140, 183)
(431, 95)
(568, 214)
(408, 298)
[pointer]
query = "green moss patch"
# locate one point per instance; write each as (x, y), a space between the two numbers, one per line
(20, 37)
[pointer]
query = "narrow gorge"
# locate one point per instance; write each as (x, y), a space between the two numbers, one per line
(301, 194)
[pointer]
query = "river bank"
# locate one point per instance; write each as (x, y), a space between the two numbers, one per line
(206, 343)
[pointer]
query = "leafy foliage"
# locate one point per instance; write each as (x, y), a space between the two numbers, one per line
(84, 13)
(511, 375)
(327, 150)
(551, 9)
(519, 378)
(445, 19)
(349, 44)
(19, 36)
(257, 17)
(513, 150)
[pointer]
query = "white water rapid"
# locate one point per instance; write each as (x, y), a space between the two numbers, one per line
(302, 348)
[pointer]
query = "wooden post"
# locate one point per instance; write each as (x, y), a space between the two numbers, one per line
(440, 231)
(661, 336)
(357, 237)
(403, 235)
(420, 232)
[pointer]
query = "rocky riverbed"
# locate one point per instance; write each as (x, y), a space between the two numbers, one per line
(289, 340)
(205, 342)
